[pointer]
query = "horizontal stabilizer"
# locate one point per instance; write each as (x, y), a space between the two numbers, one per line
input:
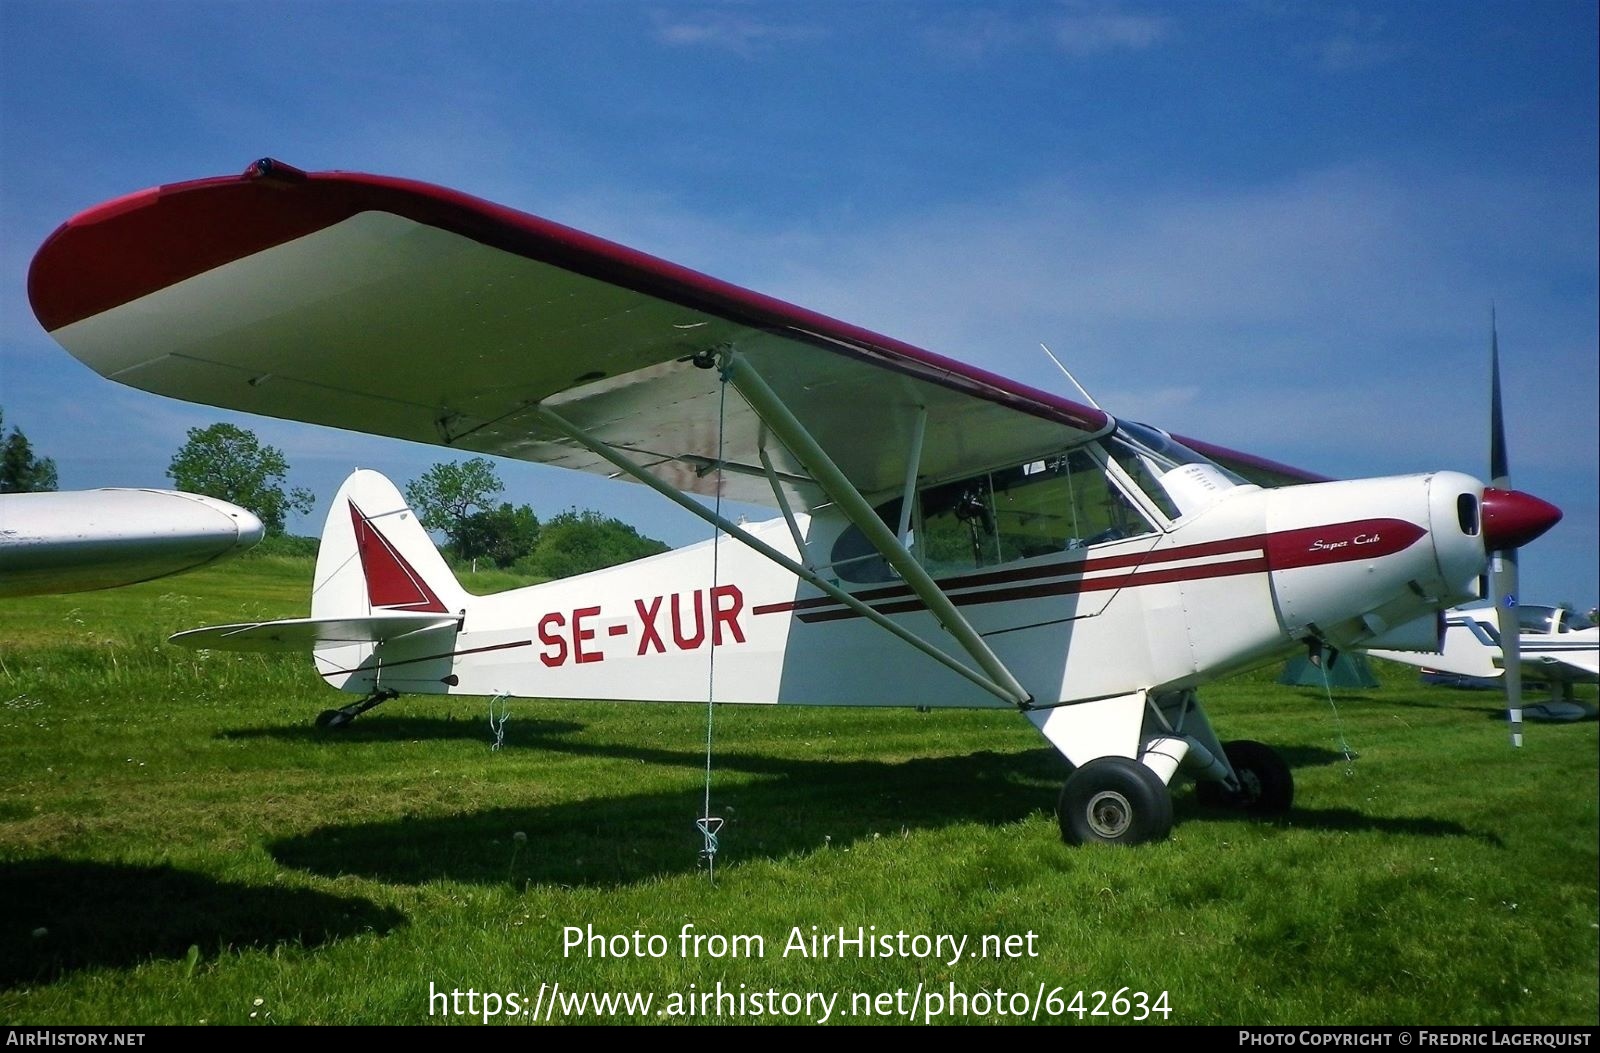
(302, 634)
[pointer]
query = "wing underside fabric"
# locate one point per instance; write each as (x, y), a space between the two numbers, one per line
(401, 309)
(405, 310)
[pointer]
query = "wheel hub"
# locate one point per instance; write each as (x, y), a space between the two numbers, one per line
(1109, 814)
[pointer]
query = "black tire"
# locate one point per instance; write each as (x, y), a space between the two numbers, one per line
(334, 718)
(1267, 784)
(1114, 800)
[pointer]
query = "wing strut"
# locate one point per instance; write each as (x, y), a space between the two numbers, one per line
(913, 464)
(775, 415)
(625, 464)
(783, 504)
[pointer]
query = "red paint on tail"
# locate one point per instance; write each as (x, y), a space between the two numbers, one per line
(392, 583)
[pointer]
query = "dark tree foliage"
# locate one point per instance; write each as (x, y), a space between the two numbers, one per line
(457, 499)
(229, 462)
(21, 472)
(503, 535)
(576, 542)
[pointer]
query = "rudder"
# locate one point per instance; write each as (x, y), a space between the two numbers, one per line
(376, 556)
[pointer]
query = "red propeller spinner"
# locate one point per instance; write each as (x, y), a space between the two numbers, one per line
(1512, 518)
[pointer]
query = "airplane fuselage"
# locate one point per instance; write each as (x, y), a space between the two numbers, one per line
(1236, 584)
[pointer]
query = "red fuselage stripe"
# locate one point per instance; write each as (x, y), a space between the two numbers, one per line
(442, 654)
(1254, 565)
(1283, 550)
(1080, 565)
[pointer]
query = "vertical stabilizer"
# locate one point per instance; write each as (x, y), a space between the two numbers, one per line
(375, 556)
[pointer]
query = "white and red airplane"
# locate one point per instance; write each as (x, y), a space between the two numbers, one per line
(944, 537)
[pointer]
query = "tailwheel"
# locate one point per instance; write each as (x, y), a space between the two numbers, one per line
(1116, 801)
(1266, 785)
(345, 715)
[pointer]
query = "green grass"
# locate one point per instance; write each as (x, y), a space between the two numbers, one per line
(177, 843)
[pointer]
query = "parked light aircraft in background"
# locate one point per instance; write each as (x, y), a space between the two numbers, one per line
(80, 540)
(944, 536)
(1558, 646)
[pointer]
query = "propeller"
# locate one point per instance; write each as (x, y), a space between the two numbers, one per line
(1510, 519)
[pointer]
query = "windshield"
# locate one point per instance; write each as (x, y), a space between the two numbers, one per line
(1176, 478)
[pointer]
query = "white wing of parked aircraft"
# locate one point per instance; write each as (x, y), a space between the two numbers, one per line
(79, 540)
(1558, 646)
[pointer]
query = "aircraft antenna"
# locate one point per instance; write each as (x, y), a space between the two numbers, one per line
(1068, 374)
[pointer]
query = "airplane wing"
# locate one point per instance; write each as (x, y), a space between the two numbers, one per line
(1472, 649)
(1251, 468)
(402, 309)
(1571, 657)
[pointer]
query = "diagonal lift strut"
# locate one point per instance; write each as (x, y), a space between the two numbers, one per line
(992, 675)
(776, 415)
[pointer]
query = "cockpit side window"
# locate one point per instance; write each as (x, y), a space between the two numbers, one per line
(1536, 619)
(958, 526)
(854, 557)
(1055, 504)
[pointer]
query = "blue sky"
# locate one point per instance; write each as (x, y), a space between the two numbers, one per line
(1271, 224)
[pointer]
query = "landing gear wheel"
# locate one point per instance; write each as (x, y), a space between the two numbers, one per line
(334, 718)
(1266, 783)
(1116, 801)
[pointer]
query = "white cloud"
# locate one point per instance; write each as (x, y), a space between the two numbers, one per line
(735, 31)
(1093, 33)
(1079, 30)
(1343, 54)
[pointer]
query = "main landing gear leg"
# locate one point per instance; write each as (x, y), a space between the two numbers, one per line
(341, 717)
(1266, 785)
(1112, 798)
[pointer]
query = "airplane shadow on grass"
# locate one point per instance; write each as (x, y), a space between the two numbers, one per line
(65, 914)
(794, 806)
(518, 732)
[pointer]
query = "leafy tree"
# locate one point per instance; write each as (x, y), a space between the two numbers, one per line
(577, 542)
(502, 534)
(231, 463)
(446, 494)
(457, 499)
(20, 471)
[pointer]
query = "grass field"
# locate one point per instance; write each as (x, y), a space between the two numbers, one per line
(179, 845)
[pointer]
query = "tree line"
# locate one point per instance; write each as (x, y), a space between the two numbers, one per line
(458, 500)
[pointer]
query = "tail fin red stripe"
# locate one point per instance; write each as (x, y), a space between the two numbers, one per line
(392, 583)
